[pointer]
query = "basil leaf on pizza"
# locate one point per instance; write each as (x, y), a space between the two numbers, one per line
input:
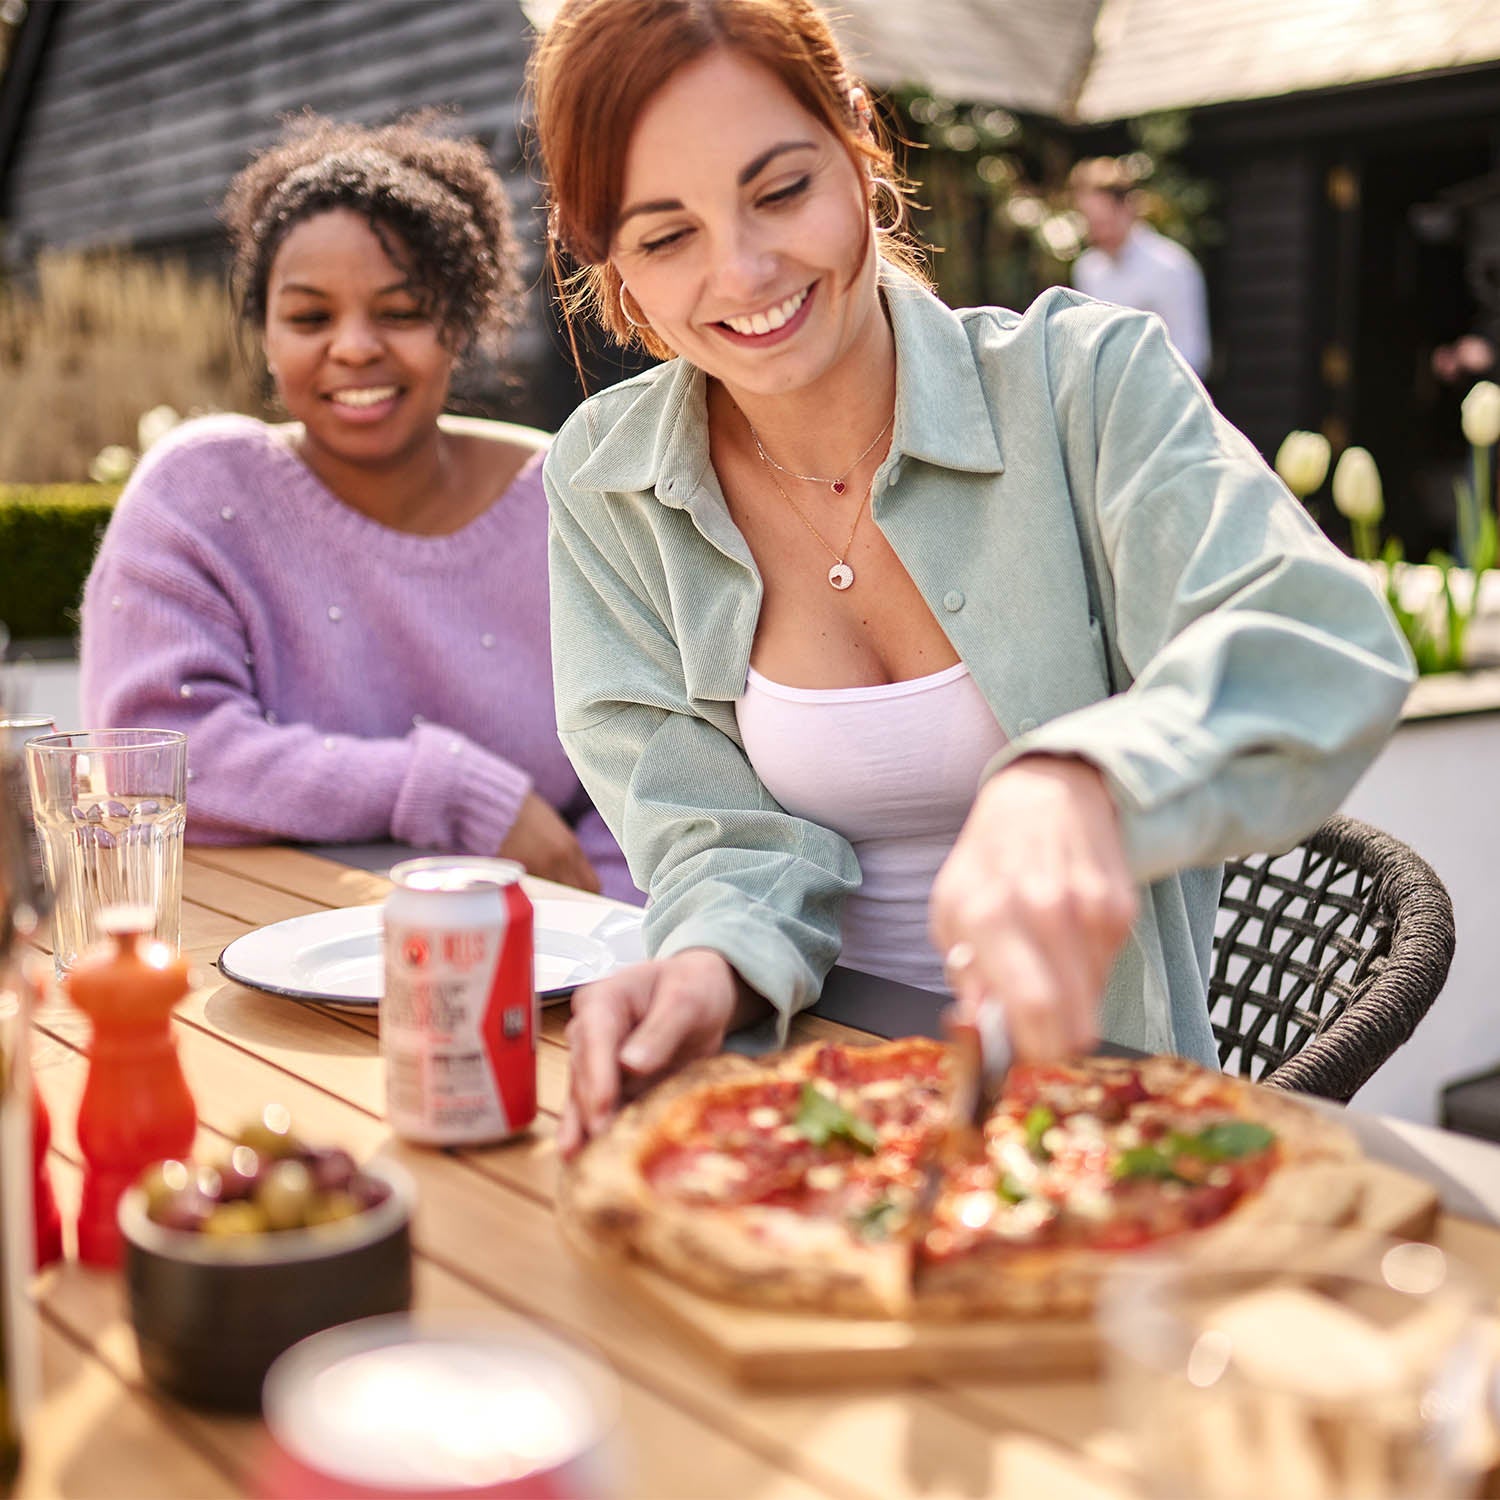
(821, 1119)
(1228, 1140)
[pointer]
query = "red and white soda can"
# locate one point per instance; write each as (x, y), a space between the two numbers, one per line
(429, 1407)
(458, 1017)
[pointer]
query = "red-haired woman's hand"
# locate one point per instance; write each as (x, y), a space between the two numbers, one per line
(637, 1026)
(1034, 902)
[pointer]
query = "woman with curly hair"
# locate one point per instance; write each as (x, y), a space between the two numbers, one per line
(347, 612)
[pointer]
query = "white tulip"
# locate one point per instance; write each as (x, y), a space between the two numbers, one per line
(1302, 462)
(154, 425)
(1481, 414)
(112, 464)
(1356, 487)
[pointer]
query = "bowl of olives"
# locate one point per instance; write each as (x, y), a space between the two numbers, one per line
(229, 1264)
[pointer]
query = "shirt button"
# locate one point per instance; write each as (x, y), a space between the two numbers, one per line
(953, 601)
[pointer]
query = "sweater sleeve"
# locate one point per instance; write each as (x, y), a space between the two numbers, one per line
(1264, 671)
(164, 646)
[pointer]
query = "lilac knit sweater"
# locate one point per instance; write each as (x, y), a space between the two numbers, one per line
(339, 681)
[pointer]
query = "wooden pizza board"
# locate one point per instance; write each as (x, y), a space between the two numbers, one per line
(762, 1347)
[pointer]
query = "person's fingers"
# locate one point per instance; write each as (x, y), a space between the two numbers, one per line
(588, 877)
(569, 1130)
(1024, 979)
(601, 1021)
(656, 1042)
(694, 999)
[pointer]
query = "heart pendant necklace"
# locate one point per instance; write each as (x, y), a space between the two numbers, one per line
(838, 485)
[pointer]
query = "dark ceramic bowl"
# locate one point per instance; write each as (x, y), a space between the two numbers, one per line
(210, 1315)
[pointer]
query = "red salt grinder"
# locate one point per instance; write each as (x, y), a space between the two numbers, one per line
(136, 1108)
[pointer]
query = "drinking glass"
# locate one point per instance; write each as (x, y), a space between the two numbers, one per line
(110, 809)
(1333, 1367)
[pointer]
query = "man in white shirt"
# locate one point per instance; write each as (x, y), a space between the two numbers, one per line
(1130, 264)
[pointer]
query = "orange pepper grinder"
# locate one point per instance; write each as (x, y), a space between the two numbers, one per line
(136, 1106)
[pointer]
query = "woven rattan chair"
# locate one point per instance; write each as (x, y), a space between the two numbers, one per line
(1326, 958)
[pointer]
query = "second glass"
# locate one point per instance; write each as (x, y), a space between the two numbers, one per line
(110, 809)
(1328, 1365)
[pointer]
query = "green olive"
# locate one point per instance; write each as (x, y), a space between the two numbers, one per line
(286, 1195)
(232, 1220)
(162, 1182)
(272, 1135)
(326, 1208)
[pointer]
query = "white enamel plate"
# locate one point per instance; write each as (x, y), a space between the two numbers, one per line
(334, 956)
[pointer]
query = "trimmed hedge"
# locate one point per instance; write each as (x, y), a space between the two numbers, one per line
(48, 536)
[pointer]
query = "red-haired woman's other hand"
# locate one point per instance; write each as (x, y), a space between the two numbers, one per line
(637, 1026)
(543, 844)
(1034, 902)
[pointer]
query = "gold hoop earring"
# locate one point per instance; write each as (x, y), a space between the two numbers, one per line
(625, 311)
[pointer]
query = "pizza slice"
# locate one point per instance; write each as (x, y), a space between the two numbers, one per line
(788, 1182)
(1083, 1163)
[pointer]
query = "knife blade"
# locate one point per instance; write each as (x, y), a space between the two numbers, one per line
(995, 1058)
(981, 1060)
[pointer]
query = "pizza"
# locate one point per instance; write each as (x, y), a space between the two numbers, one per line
(829, 1178)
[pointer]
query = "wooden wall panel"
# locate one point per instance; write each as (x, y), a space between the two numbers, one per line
(141, 113)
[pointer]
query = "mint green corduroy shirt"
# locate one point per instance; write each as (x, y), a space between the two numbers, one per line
(1124, 577)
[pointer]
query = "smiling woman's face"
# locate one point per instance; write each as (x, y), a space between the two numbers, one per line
(744, 235)
(355, 354)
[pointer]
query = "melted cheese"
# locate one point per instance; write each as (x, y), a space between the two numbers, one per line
(711, 1175)
(826, 1177)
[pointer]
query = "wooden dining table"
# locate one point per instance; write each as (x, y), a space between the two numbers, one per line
(487, 1242)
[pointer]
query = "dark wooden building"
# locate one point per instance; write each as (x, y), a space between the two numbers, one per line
(121, 121)
(1351, 146)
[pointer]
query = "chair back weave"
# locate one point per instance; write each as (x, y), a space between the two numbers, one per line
(1326, 957)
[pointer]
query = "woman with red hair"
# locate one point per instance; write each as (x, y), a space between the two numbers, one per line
(959, 646)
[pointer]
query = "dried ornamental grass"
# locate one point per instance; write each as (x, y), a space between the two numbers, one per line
(97, 341)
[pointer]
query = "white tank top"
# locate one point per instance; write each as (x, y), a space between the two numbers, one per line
(893, 768)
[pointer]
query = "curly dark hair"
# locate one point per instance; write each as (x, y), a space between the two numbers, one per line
(437, 195)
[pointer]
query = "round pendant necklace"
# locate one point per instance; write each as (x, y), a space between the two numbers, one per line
(838, 485)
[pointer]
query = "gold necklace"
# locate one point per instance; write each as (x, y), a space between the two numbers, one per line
(838, 485)
(840, 575)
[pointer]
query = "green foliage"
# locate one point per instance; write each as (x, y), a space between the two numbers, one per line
(991, 189)
(48, 536)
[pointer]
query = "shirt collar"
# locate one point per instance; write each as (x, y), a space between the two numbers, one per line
(659, 440)
(943, 415)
